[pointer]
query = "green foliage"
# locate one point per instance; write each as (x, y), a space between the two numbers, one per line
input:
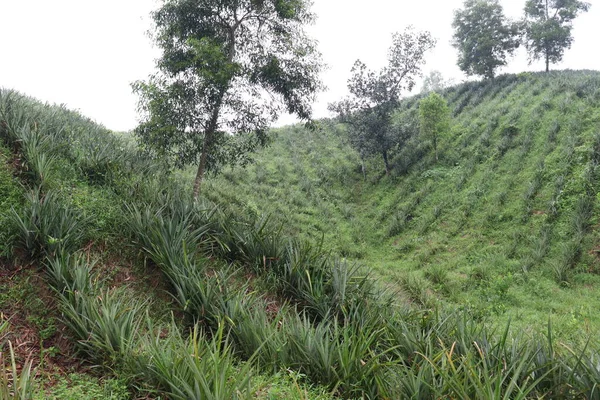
(485, 205)
(217, 57)
(376, 95)
(434, 118)
(10, 197)
(548, 25)
(85, 387)
(70, 274)
(106, 323)
(15, 384)
(46, 226)
(481, 231)
(194, 367)
(287, 385)
(435, 82)
(483, 37)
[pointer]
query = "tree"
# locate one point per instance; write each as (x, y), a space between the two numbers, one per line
(228, 68)
(435, 82)
(375, 95)
(483, 37)
(434, 118)
(548, 25)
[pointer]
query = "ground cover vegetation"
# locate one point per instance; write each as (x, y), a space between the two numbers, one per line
(502, 225)
(265, 299)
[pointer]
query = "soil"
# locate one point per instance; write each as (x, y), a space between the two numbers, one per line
(49, 356)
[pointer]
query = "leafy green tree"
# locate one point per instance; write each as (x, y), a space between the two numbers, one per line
(483, 37)
(548, 25)
(376, 95)
(435, 82)
(434, 119)
(228, 69)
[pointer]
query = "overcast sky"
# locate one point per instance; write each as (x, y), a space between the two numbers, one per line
(86, 53)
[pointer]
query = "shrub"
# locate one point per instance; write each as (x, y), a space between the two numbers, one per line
(46, 226)
(194, 367)
(105, 323)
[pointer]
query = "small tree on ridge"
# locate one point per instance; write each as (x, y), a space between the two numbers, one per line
(483, 37)
(548, 25)
(376, 95)
(434, 119)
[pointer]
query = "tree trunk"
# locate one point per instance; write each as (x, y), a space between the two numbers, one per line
(363, 169)
(387, 164)
(201, 167)
(546, 46)
(214, 118)
(206, 147)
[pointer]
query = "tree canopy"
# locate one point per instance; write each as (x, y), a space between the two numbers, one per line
(548, 25)
(483, 37)
(435, 82)
(375, 95)
(434, 119)
(227, 71)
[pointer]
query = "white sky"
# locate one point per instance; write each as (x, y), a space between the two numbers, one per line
(86, 53)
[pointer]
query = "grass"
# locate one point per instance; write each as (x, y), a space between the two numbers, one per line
(77, 386)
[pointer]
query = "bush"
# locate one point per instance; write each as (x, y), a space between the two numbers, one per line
(46, 226)
(194, 367)
(105, 323)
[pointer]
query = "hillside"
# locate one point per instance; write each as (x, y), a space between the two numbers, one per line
(115, 284)
(504, 225)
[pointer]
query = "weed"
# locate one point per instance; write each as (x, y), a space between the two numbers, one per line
(85, 387)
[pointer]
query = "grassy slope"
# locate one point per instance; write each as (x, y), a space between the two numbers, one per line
(92, 171)
(486, 228)
(498, 226)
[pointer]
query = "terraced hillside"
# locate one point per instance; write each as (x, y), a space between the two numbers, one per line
(503, 225)
(114, 284)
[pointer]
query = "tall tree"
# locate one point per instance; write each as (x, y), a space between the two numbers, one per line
(228, 69)
(548, 25)
(375, 95)
(434, 119)
(483, 37)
